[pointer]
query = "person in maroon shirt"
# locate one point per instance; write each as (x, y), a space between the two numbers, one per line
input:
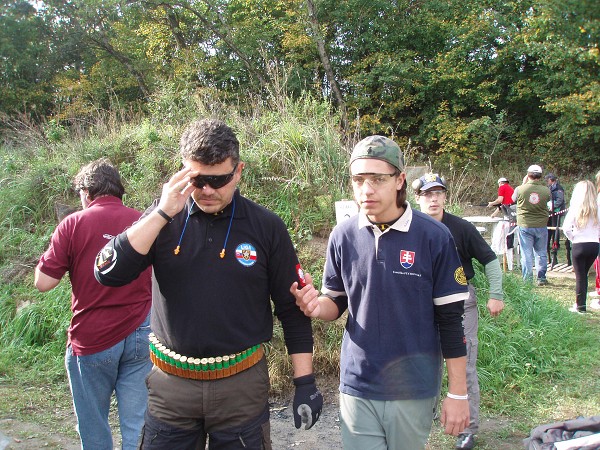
(107, 346)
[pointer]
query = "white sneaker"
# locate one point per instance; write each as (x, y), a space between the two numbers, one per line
(595, 304)
(575, 309)
(593, 294)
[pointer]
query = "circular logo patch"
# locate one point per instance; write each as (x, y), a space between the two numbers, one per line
(534, 198)
(460, 277)
(246, 254)
(106, 260)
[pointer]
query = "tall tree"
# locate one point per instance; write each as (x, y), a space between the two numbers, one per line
(114, 53)
(562, 39)
(325, 61)
(460, 79)
(25, 65)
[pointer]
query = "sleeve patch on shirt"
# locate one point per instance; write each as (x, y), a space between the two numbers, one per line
(106, 260)
(459, 276)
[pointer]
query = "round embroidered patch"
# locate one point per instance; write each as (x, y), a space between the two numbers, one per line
(460, 277)
(534, 198)
(245, 254)
(106, 260)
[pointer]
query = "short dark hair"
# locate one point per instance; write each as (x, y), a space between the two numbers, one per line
(210, 142)
(99, 178)
(534, 176)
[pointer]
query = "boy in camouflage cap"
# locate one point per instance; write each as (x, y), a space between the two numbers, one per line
(379, 267)
(379, 147)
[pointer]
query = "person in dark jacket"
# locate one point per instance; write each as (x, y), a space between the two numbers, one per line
(557, 212)
(219, 260)
(430, 191)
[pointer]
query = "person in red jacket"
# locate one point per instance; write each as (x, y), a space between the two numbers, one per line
(505, 192)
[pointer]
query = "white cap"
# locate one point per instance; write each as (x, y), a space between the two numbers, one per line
(534, 169)
(502, 180)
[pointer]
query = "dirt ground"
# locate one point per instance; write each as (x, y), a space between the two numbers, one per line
(18, 435)
(15, 434)
(325, 435)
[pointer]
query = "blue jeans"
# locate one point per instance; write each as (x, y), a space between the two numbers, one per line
(533, 240)
(93, 378)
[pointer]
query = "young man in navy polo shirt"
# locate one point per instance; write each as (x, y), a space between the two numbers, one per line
(398, 274)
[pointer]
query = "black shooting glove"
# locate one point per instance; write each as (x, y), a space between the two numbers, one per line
(308, 401)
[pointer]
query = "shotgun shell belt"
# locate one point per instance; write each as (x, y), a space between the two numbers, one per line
(212, 368)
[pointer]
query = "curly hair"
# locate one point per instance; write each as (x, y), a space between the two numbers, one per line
(210, 142)
(99, 178)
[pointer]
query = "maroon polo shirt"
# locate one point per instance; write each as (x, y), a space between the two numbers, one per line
(102, 316)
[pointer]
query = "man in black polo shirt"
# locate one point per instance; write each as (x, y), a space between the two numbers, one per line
(430, 191)
(218, 259)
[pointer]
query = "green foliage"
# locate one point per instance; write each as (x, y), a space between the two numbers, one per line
(24, 73)
(33, 330)
(534, 345)
(464, 81)
(562, 37)
(29, 187)
(54, 131)
(292, 154)
(528, 359)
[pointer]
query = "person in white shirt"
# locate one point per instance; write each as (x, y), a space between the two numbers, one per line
(582, 227)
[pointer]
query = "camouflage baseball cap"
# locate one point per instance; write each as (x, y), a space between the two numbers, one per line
(379, 147)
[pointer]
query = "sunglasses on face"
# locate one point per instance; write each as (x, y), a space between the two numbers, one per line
(214, 181)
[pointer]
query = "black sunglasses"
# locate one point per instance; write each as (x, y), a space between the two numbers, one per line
(214, 181)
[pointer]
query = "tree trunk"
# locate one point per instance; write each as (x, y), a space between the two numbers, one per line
(174, 26)
(325, 61)
(104, 44)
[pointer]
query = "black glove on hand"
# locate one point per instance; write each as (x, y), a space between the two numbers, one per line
(308, 401)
